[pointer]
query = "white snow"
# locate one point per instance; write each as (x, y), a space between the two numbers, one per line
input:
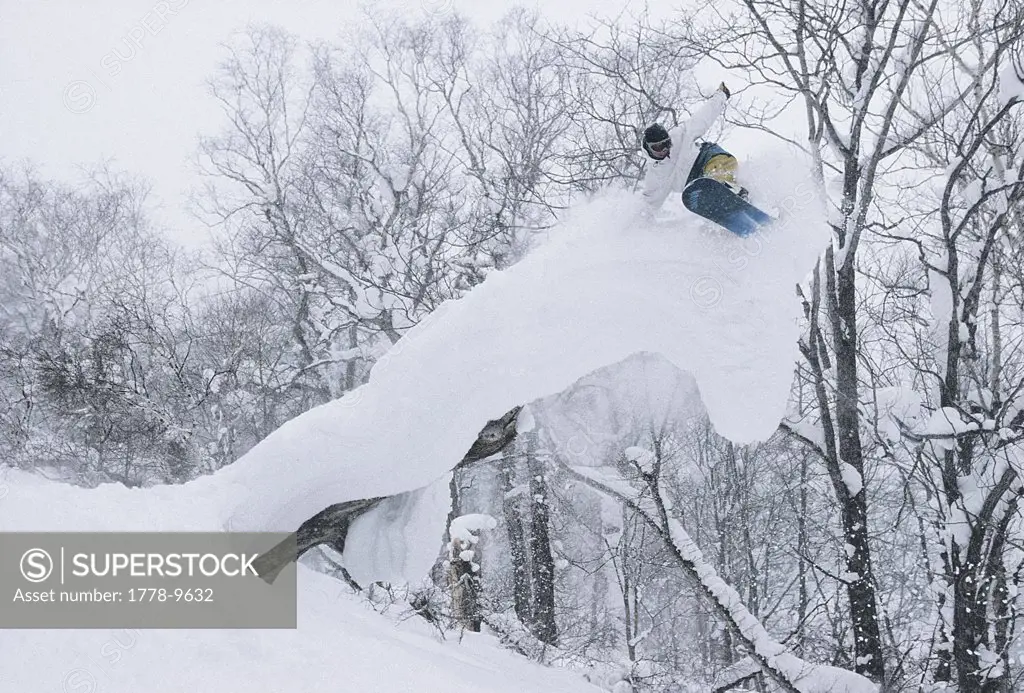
(644, 459)
(942, 310)
(601, 291)
(602, 288)
(399, 539)
(811, 430)
(851, 478)
(635, 453)
(588, 422)
(896, 405)
(341, 644)
(972, 192)
(464, 528)
(525, 421)
(946, 421)
(991, 662)
(1011, 82)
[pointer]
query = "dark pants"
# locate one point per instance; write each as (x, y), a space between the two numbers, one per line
(713, 162)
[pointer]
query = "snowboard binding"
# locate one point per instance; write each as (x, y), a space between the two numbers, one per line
(712, 192)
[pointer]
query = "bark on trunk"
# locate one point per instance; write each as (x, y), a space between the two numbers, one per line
(464, 583)
(860, 589)
(512, 510)
(542, 562)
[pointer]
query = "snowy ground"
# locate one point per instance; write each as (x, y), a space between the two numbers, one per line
(341, 645)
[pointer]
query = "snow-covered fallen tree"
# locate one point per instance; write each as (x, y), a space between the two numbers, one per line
(603, 287)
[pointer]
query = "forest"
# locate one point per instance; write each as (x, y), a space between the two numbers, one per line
(355, 186)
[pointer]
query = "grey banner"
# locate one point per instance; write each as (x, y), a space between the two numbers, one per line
(147, 580)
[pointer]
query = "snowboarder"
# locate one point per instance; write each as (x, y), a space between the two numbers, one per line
(705, 173)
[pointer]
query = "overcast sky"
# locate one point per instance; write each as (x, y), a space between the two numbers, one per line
(122, 80)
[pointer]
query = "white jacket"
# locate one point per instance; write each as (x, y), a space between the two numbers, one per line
(669, 174)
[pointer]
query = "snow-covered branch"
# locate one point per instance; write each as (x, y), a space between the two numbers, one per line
(788, 671)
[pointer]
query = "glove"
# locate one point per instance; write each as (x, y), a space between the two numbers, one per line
(724, 89)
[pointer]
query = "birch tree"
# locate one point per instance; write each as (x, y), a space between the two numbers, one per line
(859, 74)
(966, 437)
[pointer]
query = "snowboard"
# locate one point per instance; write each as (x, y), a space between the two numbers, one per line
(716, 202)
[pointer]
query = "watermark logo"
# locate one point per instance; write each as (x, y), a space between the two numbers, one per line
(102, 663)
(437, 7)
(36, 565)
(147, 580)
(706, 292)
(731, 258)
(428, 8)
(79, 681)
(80, 95)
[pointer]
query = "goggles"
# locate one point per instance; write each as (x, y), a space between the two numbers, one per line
(661, 147)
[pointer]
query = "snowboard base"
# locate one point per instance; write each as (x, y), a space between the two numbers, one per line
(716, 202)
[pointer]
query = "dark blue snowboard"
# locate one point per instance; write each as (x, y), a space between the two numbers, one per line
(716, 202)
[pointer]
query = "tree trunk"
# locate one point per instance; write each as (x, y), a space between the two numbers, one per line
(802, 548)
(860, 588)
(542, 562)
(465, 587)
(512, 509)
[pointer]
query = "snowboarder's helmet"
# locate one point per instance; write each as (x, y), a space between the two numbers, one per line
(657, 143)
